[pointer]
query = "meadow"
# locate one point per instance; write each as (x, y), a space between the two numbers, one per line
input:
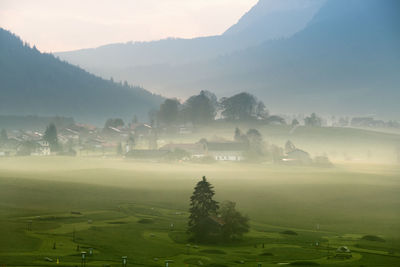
(118, 207)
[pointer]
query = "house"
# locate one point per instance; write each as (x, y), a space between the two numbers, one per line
(297, 156)
(226, 151)
(44, 148)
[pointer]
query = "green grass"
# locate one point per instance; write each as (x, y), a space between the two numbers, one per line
(125, 208)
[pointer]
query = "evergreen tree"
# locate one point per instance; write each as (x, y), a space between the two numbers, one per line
(50, 136)
(202, 206)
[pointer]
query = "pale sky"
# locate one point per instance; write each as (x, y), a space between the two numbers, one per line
(61, 25)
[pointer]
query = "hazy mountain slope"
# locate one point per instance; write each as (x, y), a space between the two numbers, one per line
(39, 84)
(277, 19)
(346, 61)
(269, 19)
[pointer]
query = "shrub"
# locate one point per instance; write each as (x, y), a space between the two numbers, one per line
(289, 232)
(145, 221)
(373, 238)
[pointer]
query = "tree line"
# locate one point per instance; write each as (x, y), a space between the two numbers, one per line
(205, 108)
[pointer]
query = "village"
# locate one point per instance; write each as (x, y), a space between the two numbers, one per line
(141, 141)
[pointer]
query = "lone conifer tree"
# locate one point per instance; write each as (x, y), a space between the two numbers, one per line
(202, 206)
(50, 135)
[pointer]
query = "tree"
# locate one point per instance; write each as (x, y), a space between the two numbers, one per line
(255, 143)
(169, 110)
(239, 136)
(202, 205)
(115, 123)
(313, 121)
(261, 111)
(235, 224)
(289, 147)
(200, 109)
(295, 123)
(239, 107)
(50, 136)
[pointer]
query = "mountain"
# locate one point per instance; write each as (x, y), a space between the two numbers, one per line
(269, 19)
(276, 19)
(34, 83)
(346, 61)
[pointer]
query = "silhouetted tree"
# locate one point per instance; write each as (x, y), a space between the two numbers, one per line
(168, 113)
(295, 122)
(261, 111)
(202, 205)
(50, 136)
(235, 224)
(289, 147)
(238, 135)
(239, 107)
(256, 145)
(115, 123)
(199, 109)
(313, 120)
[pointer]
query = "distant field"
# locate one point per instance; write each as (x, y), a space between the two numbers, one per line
(331, 206)
(340, 144)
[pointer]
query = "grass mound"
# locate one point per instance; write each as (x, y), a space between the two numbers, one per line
(266, 254)
(146, 221)
(289, 232)
(304, 263)
(213, 251)
(373, 238)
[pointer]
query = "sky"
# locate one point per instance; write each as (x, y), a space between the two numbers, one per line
(63, 25)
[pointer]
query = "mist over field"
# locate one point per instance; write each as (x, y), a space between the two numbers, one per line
(259, 133)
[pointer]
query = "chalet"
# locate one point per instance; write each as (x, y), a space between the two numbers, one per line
(43, 148)
(226, 151)
(297, 156)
